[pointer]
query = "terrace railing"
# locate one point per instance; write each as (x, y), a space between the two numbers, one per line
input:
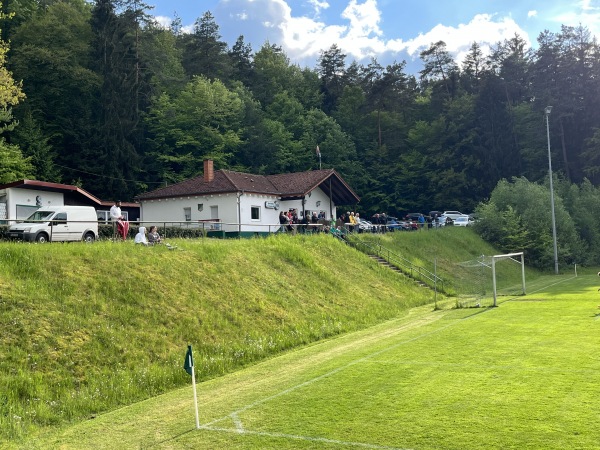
(406, 266)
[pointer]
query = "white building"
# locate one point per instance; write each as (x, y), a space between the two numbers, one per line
(19, 199)
(229, 203)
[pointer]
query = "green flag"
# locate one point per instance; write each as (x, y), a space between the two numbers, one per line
(189, 360)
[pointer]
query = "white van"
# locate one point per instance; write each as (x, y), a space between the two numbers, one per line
(58, 223)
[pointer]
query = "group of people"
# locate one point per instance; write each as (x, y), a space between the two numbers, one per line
(290, 220)
(121, 228)
(152, 238)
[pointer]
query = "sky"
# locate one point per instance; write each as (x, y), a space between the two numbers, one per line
(388, 30)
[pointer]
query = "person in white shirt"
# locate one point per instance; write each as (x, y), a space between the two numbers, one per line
(140, 238)
(115, 211)
(120, 225)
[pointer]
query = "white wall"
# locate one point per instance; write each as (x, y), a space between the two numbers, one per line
(269, 217)
(171, 211)
(310, 203)
(25, 201)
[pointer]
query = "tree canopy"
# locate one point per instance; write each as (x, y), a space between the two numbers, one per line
(120, 103)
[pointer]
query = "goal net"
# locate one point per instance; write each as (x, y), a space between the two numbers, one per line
(484, 281)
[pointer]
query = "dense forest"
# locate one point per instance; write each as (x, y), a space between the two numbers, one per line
(105, 98)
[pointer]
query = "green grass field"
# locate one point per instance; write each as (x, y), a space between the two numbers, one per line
(524, 375)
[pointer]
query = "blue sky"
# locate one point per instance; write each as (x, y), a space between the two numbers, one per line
(385, 29)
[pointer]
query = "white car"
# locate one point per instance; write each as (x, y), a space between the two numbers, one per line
(454, 214)
(365, 225)
(463, 221)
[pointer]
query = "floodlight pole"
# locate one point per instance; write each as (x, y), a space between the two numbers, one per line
(547, 112)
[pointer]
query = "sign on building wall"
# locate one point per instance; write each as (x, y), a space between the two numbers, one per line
(272, 205)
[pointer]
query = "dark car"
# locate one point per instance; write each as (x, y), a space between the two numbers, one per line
(393, 225)
(413, 216)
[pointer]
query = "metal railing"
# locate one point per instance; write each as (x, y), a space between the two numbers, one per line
(406, 266)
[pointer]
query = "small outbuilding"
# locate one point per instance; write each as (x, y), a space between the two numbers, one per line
(229, 203)
(19, 199)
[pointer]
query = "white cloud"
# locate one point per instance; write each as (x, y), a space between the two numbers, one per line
(532, 13)
(587, 15)
(364, 19)
(587, 5)
(163, 21)
(318, 5)
(357, 32)
(482, 29)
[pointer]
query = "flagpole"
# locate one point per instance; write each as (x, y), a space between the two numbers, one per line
(319, 156)
(188, 366)
(195, 398)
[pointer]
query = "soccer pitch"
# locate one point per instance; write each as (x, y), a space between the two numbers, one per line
(523, 375)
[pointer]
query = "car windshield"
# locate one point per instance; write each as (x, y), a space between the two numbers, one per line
(39, 216)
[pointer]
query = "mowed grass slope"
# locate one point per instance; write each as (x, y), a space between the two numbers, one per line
(87, 329)
(523, 376)
(455, 252)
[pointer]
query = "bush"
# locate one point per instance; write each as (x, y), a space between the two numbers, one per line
(106, 232)
(518, 218)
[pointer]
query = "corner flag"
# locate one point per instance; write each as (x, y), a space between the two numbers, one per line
(188, 364)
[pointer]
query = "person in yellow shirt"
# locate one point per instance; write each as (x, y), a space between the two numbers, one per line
(353, 221)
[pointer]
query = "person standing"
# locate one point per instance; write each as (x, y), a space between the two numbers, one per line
(115, 212)
(421, 221)
(120, 225)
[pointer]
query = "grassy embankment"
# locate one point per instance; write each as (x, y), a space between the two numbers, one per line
(456, 252)
(520, 376)
(89, 328)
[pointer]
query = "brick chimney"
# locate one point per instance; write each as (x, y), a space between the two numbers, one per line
(209, 172)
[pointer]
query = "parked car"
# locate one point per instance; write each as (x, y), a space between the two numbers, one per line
(365, 226)
(454, 214)
(393, 225)
(438, 221)
(409, 225)
(463, 221)
(446, 221)
(412, 216)
(57, 223)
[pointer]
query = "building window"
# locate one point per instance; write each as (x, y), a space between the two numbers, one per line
(187, 212)
(255, 213)
(103, 216)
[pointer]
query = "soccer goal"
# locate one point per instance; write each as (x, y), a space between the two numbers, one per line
(479, 282)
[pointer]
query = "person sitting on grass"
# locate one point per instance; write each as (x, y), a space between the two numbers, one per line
(153, 236)
(140, 238)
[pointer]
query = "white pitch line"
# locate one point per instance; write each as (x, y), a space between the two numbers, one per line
(304, 438)
(239, 426)
(553, 284)
(479, 367)
(325, 375)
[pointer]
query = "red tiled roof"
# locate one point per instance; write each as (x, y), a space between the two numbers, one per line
(285, 185)
(299, 183)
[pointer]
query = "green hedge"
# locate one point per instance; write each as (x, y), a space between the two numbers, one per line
(106, 232)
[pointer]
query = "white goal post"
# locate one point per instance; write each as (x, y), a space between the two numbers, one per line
(512, 256)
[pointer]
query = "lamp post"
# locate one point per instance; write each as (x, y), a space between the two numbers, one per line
(547, 112)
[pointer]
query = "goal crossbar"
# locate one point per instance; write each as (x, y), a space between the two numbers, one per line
(511, 256)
